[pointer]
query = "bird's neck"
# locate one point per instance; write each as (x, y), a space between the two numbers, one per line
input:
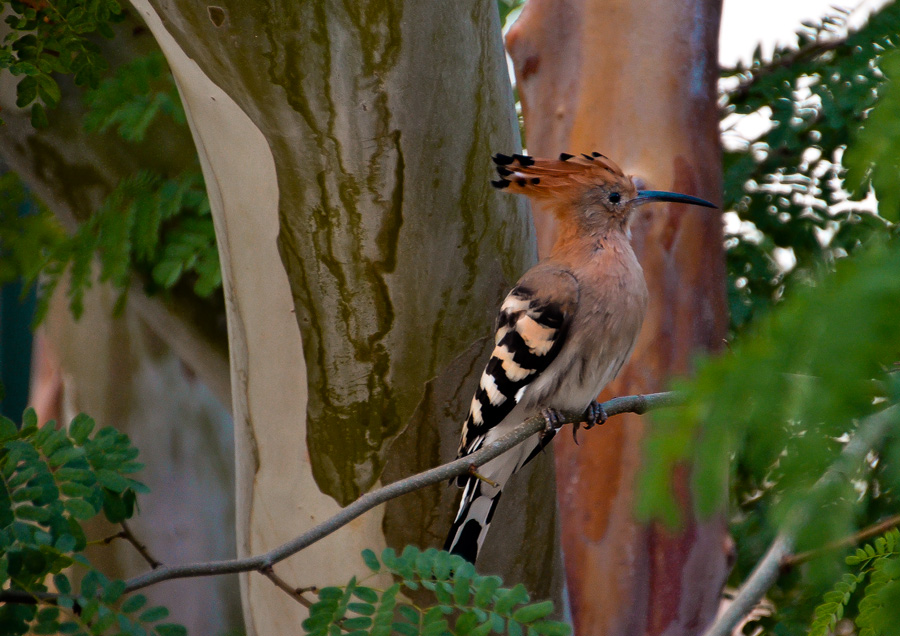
(575, 244)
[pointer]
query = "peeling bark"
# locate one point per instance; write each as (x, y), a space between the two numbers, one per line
(635, 80)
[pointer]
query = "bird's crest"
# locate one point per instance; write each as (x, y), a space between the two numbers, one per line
(541, 178)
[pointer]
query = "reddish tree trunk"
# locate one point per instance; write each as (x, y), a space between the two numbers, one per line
(635, 80)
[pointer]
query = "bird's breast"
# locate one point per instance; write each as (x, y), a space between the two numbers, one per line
(601, 336)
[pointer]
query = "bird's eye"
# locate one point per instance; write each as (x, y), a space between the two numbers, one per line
(614, 197)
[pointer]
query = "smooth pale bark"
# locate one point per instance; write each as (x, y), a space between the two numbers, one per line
(346, 150)
(635, 80)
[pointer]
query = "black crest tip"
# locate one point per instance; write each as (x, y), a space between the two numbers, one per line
(597, 154)
(500, 183)
(535, 181)
(588, 157)
(503, 172)
(565, 156)
(503, 160)
(524, 160)
(522, 182)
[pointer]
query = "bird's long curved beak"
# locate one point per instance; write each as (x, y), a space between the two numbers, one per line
(646, 196)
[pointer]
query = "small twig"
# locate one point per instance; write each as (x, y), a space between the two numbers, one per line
(786, 60)
(295, 593)
(871, 430)
(875, 530)
(107, 540)
(140, 547)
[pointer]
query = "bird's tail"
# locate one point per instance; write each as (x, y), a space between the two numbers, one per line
(471, 525)
(545, 178)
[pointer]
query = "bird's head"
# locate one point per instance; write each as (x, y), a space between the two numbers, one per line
(588, 190)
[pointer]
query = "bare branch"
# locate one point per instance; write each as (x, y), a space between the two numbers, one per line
(294, 592)
(869, 433)
(140, 547)
(263, 562)
(616, 406)
(866, 533)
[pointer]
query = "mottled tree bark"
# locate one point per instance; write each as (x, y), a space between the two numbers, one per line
(346, 146)
(635, 80)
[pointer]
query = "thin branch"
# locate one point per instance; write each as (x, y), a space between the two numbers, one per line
(785, 60)
(631, 404)
(263, 563)
(870, 432)
(294, 592)
(866, 533)
(140, 547)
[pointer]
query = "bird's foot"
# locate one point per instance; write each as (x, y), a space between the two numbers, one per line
(553, 421)
(473, 471)
(595, 415)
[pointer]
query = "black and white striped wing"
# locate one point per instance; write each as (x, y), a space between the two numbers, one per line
(531, 328)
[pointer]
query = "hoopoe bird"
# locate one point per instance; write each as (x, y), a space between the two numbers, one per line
(565, 329)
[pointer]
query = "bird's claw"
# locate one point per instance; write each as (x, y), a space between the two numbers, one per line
(553, 421)
(595, 415)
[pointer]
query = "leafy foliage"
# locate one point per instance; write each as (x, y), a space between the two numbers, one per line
(51, 480)
(53, 36)
(466, 603)
(29, 233)
(785, 184)
(130, 100)
(156, 225)
(788, 391)
(148, 223)
(876, 610)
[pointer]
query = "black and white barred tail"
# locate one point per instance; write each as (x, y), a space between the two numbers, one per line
(471, 525)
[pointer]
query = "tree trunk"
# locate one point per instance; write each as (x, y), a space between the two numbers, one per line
(636, 81)
(346, 149)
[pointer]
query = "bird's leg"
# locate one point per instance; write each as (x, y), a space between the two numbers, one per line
(596, 415)
(473, 471)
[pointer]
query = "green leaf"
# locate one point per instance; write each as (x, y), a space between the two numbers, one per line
(365, 594)
(409, 613)
(80, 428)
(62, 584)
(365, 609)
(154, 614)
(360, 622)
(371, 560)
(80, 509)
(533, 612)
(405, 628)
(134, 603)
(26, 91)
(170, 629)
(8, 429)
(552, 628)
(484, 590)
(112, 480)
(39, 116)
(113, 591)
